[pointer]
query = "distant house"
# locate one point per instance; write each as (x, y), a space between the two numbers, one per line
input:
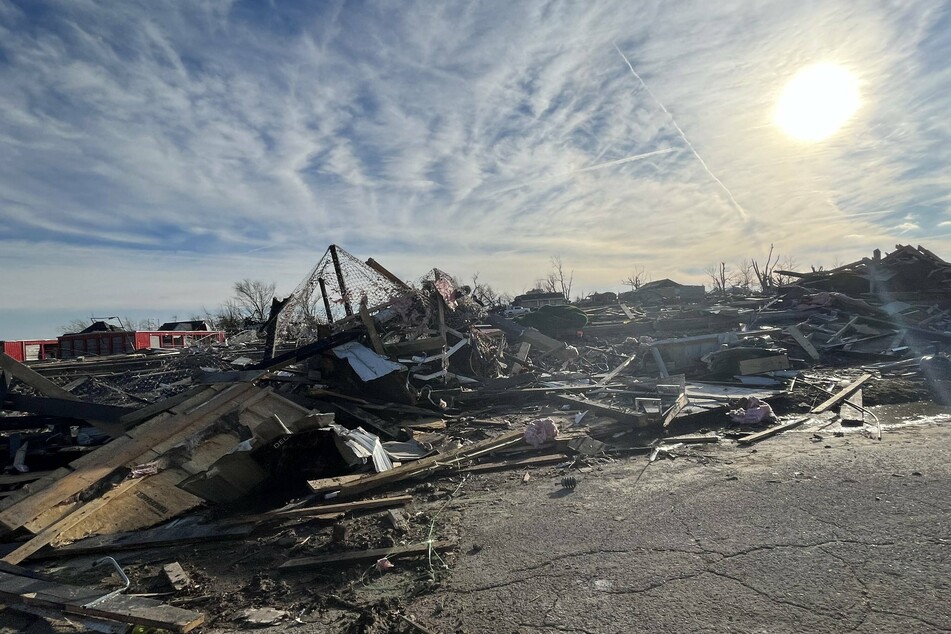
(665, 290)
(30, 349)
(102, 339)
(535, 300)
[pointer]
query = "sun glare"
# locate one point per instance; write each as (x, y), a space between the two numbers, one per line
(817, 102)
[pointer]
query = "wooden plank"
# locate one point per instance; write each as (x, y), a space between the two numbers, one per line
(772, 431)
(105, 417)
(23, 590)
(841, 395)
(804, 343)
(150, 538)
(176, 575)
(613, 373)
(122, 451)
(430, 463)
(675, 409)
(135, 611)
(326, 509)
(25, 375)
(622, 416)
(535, 461)
(415, 550)
(17, 478)
(197, 394)
(371, 329)
(53, 531)
(523, 349)
(332, 484)
(763, 364)
(627, 312)
(690, 440)
(659, 360)
(156, 500)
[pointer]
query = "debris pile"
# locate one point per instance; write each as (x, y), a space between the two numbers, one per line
(217, 476)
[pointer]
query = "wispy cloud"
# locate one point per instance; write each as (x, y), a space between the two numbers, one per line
(470, 136)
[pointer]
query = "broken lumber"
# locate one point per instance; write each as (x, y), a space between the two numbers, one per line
(772, 431)
(841, 395)
(430, 463)
(535, 461)
(375, 554)
(150, 538)
(327, 509)
(137, 446)
(53, 531)
(29, 593)
(613, 373)
(620, 415)
(804, 343)
(176, 575)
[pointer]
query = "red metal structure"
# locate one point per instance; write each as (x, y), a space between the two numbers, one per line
(31, 349)
(102, 339)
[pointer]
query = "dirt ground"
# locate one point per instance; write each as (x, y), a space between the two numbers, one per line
(808, 531)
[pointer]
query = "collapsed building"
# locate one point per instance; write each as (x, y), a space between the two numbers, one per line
(362, 386)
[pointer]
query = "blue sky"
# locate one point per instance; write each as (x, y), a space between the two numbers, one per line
(155, 152)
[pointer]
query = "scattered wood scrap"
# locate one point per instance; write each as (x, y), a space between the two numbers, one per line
(375, 554)
(20, 591)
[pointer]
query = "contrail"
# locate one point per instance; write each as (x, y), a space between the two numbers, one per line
(628, 159)
(683, 136)
(636, 157)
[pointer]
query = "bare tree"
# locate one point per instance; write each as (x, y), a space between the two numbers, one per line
(76, 325)
(743, 275)
(253, 297)
(557, 281)
(636, 279)
(484, 293)
(720, 277)
(229, 318)
(781, 276)
(765, 274)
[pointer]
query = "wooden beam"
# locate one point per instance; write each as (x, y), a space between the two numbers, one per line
(28, 592)
(53, 531)
(804, 343)
(535, 461)
(375, 554)
(523, 349)
(110, 415)
(25, 375)
(133, 447)
(772, 431)
(327, 509)
(430, 463)
(841, 395)
(150, 538)
(613, 373)
(371, 329)
(620, 415)
(763, 364)
(675, 409)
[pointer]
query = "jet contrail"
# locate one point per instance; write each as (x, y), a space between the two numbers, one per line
(628, 159)
(636, 157)
(683, 136)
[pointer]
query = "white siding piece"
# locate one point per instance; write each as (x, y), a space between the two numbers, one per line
(367, 364)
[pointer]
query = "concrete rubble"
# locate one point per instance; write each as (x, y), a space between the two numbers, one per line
(277, 471)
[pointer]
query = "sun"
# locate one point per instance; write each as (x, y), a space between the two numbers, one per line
(817, 102)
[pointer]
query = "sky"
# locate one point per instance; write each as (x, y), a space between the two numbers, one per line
(152, 153)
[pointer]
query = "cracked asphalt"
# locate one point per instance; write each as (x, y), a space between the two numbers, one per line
(843, 535)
